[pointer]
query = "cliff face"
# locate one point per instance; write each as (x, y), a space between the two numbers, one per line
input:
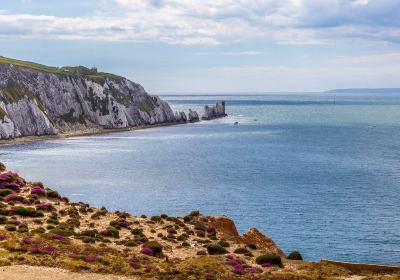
(40, 100)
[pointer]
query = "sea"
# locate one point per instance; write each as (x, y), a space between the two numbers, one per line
(318, 173)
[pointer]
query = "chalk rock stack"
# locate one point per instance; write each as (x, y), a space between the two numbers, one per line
(213, 112)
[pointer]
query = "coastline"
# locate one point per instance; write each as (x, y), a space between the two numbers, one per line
(30, 139)
(40, 230)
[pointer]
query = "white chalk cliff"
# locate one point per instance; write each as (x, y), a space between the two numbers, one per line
(40, 100)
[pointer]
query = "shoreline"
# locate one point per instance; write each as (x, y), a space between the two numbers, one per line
(41, 230)
(61, 136)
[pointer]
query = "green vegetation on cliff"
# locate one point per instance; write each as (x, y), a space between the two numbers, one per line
(75, 71)
(147, 104)
(70, 118)
(2, 114)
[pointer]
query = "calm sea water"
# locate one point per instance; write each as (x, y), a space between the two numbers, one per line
(318, 174)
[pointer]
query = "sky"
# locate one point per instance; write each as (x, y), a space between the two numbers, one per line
(213, 46)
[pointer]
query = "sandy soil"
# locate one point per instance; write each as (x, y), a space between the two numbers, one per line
(24, 272)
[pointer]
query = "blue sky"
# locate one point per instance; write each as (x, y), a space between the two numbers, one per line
(213, 46)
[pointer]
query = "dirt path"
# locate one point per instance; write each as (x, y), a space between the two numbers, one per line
(24, 272)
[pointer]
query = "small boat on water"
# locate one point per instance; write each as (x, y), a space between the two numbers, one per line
(236, 123)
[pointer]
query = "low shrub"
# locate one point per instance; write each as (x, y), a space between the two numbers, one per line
(26, 211)
(38, 191)
(10, 227)
(155, 218)
(4, 192)
(154, 245)
(2, 167)
(271, 259)
(136, 231)
(241, 250)
(216, 249)
(113, 232)
(147, 251)
(52, 194)
(23, 227)
(295, 255)
(62, 231)
(194, 214)
(44, 206)
(3, 220)
(224, 243)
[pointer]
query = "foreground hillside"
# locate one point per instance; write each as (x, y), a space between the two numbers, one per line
(41, 100)
(39, 227)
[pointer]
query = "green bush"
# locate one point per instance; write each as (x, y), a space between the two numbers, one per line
(4, 192)
(52, 194)
(136, 231)
(10, 227)
(38, 230)
(241, 251)
(23, 228)
(2, 167)
(194, 213)
(157, 248)
(3, 220)
(62, 231)
(272, 259)
(113, 232)
(155, 218)
(90, 233)
(27, 212)
(224, 243)
(216, 249)
(295, 255)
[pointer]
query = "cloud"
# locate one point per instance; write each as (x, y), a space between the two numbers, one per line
(210, 22)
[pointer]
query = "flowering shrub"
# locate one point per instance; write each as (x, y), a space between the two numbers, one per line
(75, 256)
(11, 181)
(90, 259)
(13, 197)
(2, 237)
(134, 263)
(147, 251)
(200, 227)
(111, 231)
(171, 230)
(240, 267)
(44, 206)
(155, 246)
(38, 191)
(44, 250)
(59, 237)
(211, 229)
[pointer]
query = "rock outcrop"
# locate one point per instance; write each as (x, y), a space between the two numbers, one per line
(213, 112)
(40, 100)
(227, 228)
(180, 117)
(193, 116)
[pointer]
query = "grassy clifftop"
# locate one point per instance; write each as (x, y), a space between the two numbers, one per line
(72, 71)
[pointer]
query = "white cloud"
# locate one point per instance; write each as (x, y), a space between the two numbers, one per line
(208, 22)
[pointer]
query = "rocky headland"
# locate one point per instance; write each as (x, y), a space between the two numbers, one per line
(40, 227)
(37, 100)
